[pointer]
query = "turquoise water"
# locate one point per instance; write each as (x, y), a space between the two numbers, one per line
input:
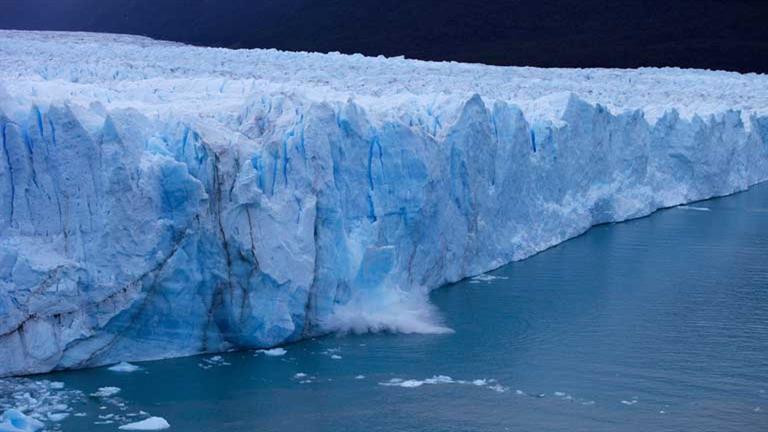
(658, 324)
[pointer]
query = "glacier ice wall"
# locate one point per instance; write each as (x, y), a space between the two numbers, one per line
(128, 235)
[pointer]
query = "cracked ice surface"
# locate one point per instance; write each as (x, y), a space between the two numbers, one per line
(160, 200)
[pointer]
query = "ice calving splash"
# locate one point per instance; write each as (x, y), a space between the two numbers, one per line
(252, 198)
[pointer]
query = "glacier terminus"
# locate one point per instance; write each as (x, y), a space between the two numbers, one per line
(161, 200)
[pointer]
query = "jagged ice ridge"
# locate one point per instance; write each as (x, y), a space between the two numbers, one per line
(161, 200)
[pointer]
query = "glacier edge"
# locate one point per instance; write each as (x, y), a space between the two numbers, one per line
(128, 234)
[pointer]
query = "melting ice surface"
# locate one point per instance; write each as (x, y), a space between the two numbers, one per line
(657, 324)
(160, 200)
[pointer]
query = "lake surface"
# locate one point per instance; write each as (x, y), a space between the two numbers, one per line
(658, 324)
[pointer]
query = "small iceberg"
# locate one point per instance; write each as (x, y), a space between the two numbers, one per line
(150, 424)
(14, 420)
(123, 367)
(274, 352)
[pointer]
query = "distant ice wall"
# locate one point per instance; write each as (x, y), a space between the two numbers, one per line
(127, 237)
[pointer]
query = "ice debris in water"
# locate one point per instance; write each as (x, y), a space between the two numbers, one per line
(38, 401)
(212, 362)
(150, 424)
(104, 392)
(332, 353)
(124, 367)
(490, 384)
(303, 378)
(444, 379)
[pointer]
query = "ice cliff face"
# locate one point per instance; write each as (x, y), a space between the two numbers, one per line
(159, 200)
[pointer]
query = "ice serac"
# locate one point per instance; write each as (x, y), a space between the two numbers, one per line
(160, 200)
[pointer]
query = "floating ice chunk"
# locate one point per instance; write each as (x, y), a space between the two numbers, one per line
(57, 416)
(359, 377)
(629, 402)
(106, 392)
(14, 420)
(336, 357)
(150, 424)
(56, 385)
(274, 352)
(300, 375)
(124, 367)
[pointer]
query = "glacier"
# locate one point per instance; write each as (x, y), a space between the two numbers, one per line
(161, 200)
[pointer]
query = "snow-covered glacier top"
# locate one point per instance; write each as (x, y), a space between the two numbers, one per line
(122, 70)
(161, 200)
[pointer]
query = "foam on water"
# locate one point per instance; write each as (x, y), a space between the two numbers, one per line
(694, 208)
